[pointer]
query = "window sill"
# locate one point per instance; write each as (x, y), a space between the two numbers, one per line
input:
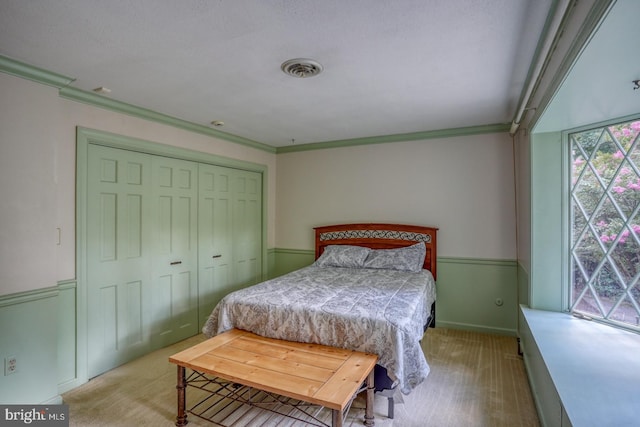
(594, 368)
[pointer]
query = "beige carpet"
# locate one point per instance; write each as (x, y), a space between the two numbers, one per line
(476, 380)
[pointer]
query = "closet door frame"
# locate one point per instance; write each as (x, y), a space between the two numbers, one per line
(85, 137)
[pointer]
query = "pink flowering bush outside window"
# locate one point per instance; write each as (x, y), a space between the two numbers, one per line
(605, 223)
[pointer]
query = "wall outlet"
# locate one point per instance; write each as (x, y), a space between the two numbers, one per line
(10, 365)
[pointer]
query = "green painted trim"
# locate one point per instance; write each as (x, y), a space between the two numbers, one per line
(67, 337)
(476, 328)
(64, 285)
(443, 260)
(108, 139)
(29, 72)
(294, 251)
(477, 261)
(28, 296)
(82, 315)
(401, 137)
(132, 110)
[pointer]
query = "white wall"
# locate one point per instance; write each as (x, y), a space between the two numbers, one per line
(37, 177)
(29, 129)
(463, 185)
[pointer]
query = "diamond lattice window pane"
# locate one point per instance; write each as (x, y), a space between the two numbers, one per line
(579, 223)
(608, 288)
(588, 191)
(626, 313)
(626, 256)
(634, 153)
(606, 159)
(587, 140)
(626, 189)
(605, 222)
(579, 163)
(608, 223)
(588, 253)
(588, 304)
(626, 133)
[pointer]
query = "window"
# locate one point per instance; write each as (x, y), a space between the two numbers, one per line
(605, 223)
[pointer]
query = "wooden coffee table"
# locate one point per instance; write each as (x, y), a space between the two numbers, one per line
(320, 375)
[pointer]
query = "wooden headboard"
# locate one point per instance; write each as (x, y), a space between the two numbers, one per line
(380, 236)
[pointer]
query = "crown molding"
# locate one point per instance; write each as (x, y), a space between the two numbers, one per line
(29, 72)
(144, 113)
(400, 137)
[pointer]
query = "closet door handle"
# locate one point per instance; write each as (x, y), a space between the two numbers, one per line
(175, 263)
(217, 256)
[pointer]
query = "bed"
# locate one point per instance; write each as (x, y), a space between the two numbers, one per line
(370, 289)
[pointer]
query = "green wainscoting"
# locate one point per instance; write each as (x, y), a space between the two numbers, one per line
(467, 290)
(30, 334)
(67, 355)
(287, 260)
(468, 293)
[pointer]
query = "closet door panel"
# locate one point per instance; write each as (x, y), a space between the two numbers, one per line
(174, 289)
(118, 259)
(247, 215)
(215, 234)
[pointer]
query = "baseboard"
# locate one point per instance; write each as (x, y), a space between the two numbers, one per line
(476, 328)
(57, 400)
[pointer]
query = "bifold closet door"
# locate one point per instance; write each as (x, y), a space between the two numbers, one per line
(229, 232)
(247, 227)
(118, 257)
(215, 234)
(166, 240)
(174, 293)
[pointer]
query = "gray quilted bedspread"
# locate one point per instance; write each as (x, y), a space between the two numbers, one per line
(375, 311)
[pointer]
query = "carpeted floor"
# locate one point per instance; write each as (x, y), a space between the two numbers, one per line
(476, 380)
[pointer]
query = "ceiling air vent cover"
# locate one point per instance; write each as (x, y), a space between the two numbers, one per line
(301, 67)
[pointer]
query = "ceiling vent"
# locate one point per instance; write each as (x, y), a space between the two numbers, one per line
(301, 67)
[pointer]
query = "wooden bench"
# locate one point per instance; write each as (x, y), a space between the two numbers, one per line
(320, 375)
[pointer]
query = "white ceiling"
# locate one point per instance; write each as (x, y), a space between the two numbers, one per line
(390, 67)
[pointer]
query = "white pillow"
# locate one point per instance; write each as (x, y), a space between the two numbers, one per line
(409, 258)
(343, 256)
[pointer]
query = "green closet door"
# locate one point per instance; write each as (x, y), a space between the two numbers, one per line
(247, 228)
(166, 240)
(118, 257)
(215, 235)
(229, 233)
(174, 292)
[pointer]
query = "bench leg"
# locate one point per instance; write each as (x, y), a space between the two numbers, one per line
(336, 418)
(181, 419)
(368, 411)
